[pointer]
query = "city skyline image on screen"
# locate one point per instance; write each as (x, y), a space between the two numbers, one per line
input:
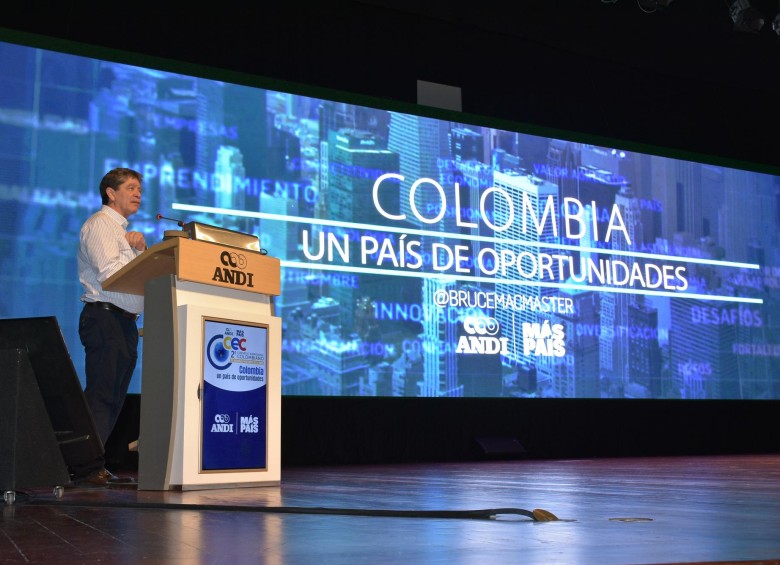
(421, 256)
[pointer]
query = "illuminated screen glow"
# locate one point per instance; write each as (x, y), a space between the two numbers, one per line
(420, 256)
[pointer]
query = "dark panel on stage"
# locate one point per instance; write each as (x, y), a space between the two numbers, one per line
(29, 454)
(58, 382)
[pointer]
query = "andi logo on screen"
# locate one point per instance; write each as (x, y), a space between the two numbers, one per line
(222, 424)
(543, 340)
(482, 338)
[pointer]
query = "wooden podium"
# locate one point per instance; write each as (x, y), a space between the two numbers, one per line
(202, 302)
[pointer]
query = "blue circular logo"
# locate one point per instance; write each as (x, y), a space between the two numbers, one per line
(217, 354)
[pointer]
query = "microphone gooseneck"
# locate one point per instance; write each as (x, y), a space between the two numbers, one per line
(178, 222)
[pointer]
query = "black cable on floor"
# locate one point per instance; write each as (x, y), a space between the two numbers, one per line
(536, 515)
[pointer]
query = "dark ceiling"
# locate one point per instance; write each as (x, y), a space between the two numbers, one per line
(678, 77)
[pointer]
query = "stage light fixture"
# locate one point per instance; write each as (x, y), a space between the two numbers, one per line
(745, 17)
(650, 6)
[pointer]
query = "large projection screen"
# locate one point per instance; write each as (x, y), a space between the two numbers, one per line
(424, 254)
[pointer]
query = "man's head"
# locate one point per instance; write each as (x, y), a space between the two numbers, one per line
(121, 189)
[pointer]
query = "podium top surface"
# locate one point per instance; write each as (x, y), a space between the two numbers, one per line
(202, 262)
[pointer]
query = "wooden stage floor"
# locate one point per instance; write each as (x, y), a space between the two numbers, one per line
(704, 509)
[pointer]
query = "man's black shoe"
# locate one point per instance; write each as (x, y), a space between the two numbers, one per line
(105, 478)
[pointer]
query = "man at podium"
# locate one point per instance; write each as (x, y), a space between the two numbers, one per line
(107, 325)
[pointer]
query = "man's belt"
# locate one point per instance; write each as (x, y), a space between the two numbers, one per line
(113, 308)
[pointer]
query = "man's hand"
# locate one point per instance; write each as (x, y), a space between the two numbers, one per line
(136, 240)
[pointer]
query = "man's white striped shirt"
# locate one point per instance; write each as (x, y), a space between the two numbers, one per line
(103, 250)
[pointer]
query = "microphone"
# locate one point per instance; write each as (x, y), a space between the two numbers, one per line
(178, 222)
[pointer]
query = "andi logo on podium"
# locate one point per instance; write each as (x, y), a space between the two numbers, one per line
(232, 270)
(235, 396)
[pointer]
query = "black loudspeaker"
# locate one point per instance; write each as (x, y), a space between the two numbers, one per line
(30, 455)
(58, 386)
(499, 447)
